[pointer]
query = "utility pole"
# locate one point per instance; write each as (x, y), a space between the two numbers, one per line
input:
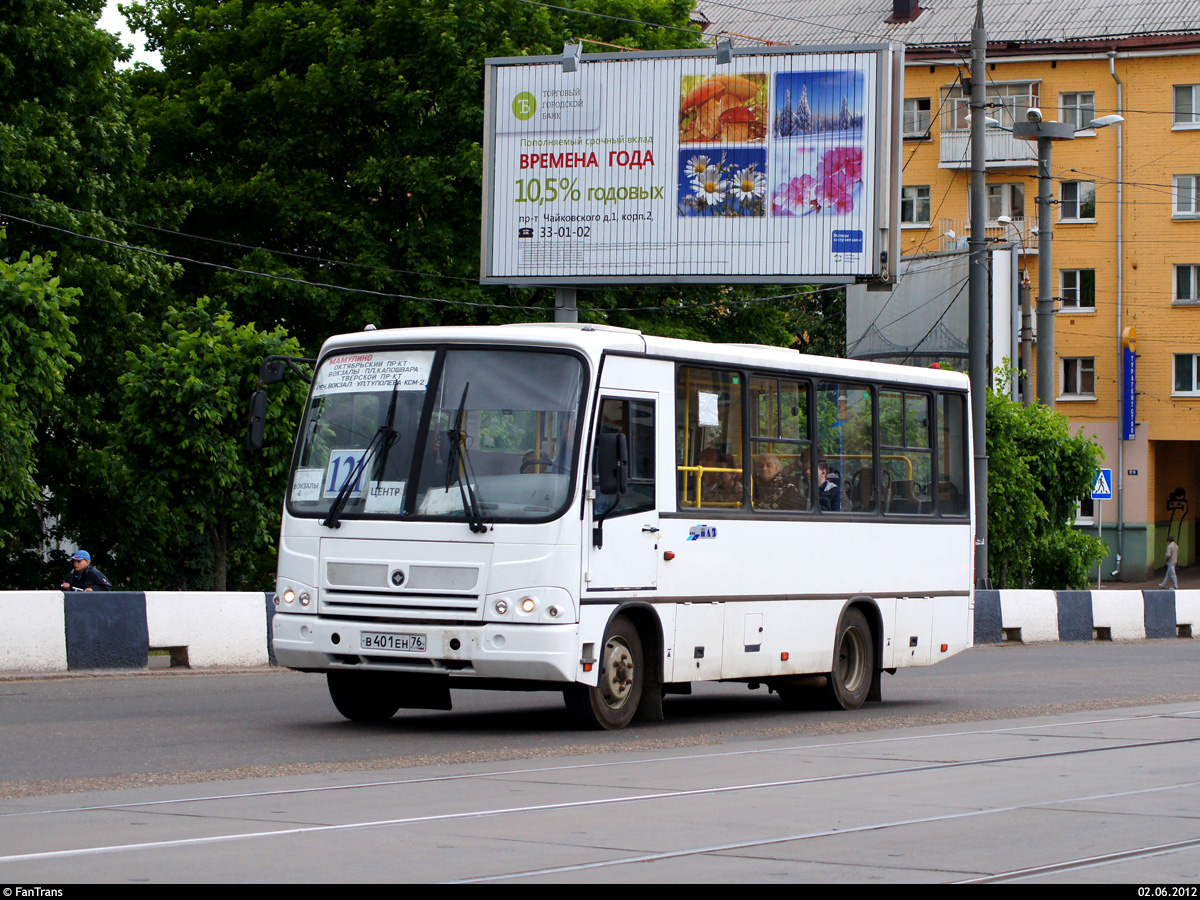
(565, 309)
(1045, 133)
(977, 287)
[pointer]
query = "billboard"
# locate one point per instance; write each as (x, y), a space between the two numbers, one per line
(781, 166)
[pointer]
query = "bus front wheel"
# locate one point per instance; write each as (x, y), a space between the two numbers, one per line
(612, 703)
(853, 663)
(364, 696)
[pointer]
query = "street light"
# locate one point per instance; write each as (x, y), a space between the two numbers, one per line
(1045, 133)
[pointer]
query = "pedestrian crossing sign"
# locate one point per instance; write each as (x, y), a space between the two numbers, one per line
(1102, 489)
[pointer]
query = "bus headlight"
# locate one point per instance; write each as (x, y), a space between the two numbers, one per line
(293, 597)
(531, 605)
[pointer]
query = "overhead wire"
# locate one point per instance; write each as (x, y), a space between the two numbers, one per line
(680, 307)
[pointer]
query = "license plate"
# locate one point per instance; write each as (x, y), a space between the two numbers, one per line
(412, 643)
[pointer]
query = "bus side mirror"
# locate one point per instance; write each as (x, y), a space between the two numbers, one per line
(257, 424)
(272, 371)
(612, 463)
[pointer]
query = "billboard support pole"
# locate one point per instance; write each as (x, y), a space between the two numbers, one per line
(565, 309)
(978, 291)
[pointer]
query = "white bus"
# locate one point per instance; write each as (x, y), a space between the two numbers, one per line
(616, 516)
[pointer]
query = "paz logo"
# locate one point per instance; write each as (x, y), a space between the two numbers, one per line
(697, 532)
(524, 105)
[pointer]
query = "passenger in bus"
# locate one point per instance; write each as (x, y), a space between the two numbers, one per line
(727, 486)
(772, 490)
(829, 493)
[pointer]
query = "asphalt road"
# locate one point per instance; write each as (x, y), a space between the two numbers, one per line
(1051, 764)
(67, 734)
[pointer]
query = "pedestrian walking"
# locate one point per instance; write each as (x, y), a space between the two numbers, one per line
(1172, 558)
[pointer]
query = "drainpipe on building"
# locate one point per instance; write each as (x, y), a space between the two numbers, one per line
(1112, 70)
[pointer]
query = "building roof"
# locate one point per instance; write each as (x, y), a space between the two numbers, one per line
(947, 23)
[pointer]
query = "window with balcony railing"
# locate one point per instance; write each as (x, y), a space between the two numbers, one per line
(1007, 103)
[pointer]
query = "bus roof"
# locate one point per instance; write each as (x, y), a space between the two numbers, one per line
(595, 340)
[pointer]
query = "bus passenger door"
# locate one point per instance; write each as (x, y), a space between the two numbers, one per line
(623, 534)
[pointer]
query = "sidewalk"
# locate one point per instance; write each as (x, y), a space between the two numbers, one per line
(1189, 580)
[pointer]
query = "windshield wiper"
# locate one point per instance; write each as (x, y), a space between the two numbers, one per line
(383, 442)
(458, 465)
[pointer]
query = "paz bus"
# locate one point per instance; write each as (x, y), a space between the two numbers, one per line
(616, 516)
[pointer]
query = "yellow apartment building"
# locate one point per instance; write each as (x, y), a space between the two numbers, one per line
(1125, 214)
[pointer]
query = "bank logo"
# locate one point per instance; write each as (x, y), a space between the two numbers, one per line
(524, 105)
(696, 532)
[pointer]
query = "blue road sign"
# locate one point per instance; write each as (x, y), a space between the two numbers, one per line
(1102, 489)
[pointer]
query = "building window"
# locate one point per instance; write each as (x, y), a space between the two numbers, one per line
(1187, 105)
(1078, 202)
(1078, 288)
(1078, 108)
(916, 118)
(1186, 380)
(914, 205)
(1187, 284)
(1186, 196)
(1005, 200)
(1078, 377)
(1008, 103)
(1085, 511)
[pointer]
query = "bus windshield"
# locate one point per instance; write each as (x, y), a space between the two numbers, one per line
(495, 441)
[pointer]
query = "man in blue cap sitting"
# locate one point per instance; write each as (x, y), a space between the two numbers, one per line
(85, 576)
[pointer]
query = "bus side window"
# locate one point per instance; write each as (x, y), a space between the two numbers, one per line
(635, 420)
(906, 452)
(780, 444)
(710, 471)
(845, 436)
(952, 455)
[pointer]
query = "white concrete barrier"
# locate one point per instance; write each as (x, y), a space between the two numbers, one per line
(217, 628)
(32, 638)
(1187, 609)
(1122, 612)
(1034, 612)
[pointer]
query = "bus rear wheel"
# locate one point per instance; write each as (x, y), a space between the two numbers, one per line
(853, 663)
(364, 696)
(611, 704)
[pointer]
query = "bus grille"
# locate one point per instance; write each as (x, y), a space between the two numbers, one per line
(402, 606)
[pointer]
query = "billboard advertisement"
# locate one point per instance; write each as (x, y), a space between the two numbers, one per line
(782, 165)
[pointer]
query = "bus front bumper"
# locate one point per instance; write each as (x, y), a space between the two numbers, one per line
(534, 652)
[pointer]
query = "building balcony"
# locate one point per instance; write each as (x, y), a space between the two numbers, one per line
(1002, 149)
(1017, 232)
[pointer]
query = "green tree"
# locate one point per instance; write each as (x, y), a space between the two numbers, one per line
(349, 131)
(812, 320)
(36, 352)
(183, 428)
(70, 175)
(352, 131)
(1037, 472)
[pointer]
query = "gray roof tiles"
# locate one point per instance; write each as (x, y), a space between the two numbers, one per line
(948, 22)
